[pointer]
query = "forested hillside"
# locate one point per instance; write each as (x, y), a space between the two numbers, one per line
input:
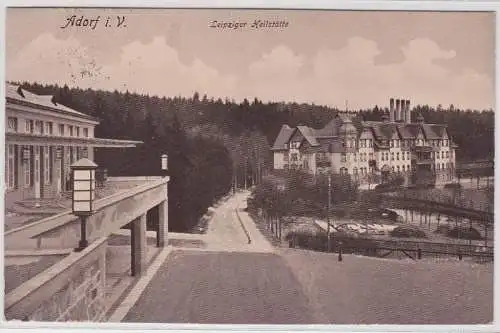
(214, 143)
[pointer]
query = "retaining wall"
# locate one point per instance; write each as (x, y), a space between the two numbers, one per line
(70, 290)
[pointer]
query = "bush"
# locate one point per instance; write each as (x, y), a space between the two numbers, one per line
(309, 240)
(464, 232)
(407, 231)
(443, 229)
(453, 186)
(392, 185)
(319, 241)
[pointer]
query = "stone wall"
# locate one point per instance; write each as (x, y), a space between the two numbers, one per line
(71, 290)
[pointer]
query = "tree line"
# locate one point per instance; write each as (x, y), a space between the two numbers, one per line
(215, 144)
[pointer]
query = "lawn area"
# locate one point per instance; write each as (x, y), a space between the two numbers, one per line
(364, 290)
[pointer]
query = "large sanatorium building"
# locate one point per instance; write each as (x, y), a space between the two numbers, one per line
(43, 138)
(371, 151)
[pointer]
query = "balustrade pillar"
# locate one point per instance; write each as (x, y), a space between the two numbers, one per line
(162, 234)
(138, 243)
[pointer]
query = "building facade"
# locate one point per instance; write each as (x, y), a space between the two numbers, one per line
(43, 138)
(371, 151)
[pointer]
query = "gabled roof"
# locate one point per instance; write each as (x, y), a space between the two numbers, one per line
(331, 128)
(404, 132)
(283, 137)
(438, 129)
(309, 134)
(429, 132)
(381, 130)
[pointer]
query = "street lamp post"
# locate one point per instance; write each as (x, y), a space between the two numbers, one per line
(164, 173)
(164, 164)
(328, 212)
(281, 208)
(83, 195)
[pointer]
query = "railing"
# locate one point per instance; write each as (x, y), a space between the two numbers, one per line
(424, 161)
(101, 176)
(390, 248)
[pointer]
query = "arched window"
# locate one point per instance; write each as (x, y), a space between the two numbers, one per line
(355, 171)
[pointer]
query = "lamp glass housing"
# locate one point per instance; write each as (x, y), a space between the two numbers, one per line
(83, 187)
(164, 162)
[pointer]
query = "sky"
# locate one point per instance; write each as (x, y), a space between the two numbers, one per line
(335, 58)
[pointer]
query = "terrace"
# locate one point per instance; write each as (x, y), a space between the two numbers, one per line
(23, 212)
(40, 258)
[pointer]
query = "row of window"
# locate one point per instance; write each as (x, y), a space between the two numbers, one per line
(384, 156)
(30, 161)
(443, 166)
(362, 171)
(437, 154)
(365, 171)
(363, 157)
(46, 128)
(365, 143)
(396, 143)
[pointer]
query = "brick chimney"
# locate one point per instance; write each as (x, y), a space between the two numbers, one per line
(402, 111)
(391, 109)
(397, 112)
(408, 112)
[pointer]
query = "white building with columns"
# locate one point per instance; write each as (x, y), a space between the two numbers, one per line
(43, 138)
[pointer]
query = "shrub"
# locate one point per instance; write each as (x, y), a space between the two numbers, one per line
(464, 232)
(453, 186)
(309, 240)
(408, 231)
(443, 229)
(392, 185)
(319, 241)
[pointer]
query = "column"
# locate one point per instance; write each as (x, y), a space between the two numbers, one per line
(36, 166)
(138, 243)
(162, 234)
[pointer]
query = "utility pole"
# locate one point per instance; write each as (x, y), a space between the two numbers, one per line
(328, 211)
(246, 162)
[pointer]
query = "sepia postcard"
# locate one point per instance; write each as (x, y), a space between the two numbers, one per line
(249, 166)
